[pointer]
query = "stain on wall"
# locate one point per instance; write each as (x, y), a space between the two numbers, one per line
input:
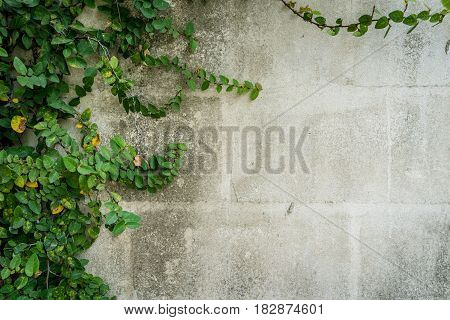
(371, 218)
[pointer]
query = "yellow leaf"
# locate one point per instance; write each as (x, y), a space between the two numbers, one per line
(15, 100)
(4, 99)
(18, 124)
(96, 141)
(57, 209)
(32, 185)
(79, 125)
(37, 274)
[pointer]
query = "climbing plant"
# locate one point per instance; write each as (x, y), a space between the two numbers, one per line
(53, 194)
(375, 18)
(53, 199)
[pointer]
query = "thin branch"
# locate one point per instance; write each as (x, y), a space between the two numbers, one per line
(105, 50)
(291, 6)
(48, 273)
(118, 11)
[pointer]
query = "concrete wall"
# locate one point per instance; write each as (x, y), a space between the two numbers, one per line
(364, 210)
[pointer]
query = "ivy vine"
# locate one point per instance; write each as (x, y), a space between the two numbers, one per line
(53, 194)
(53, 198)
(375, 18)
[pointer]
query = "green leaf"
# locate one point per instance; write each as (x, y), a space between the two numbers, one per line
(74, 227)
(92, 182)
(119, 228)
(160, 24)
(161, 5)
(90, 72)
(35, 207)
(15, 262)
(20, 282)
(191, 84)
(3, 53)
(410, 20)
(80, 91)
(32, 265)
(114, 62)
(76, 62)
(148, 12)
(435, 18)
(93, 232)
(31, 3)
(224, 80)
(132, 220)
(85, 170)
(446, 4)
(352, 28)
(424, 15)
(167, 165)
(365, 20)
(20, 182)
(3, 233)
(119, 141)
(382, 23)
(48, 162)
(192, 44)
(396, 16)
(86, 115)
(90, 3)
(105, 153)
(138, 181)
(254, 94)
(86, 48)
(205, 85)
(27, 41)
(320, 20)
(70, 163)
(68, 203)
(19, 66)
(333, 31)
(190, 29)
(111, 218)
(5, 273)
(61, 105)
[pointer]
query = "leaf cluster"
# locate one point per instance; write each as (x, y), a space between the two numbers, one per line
(54, 195)
(375, 19)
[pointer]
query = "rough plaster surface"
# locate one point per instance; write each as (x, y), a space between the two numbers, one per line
(371, 218)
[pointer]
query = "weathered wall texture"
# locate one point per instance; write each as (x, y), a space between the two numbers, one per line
(371, 217)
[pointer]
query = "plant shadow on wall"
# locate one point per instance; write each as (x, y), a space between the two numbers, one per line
(53, 198)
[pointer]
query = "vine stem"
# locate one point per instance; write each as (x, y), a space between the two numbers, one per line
(48, 273)
(326, 26)
(105, 50)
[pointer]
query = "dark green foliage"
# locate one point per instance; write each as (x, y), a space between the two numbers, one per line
(53, 195)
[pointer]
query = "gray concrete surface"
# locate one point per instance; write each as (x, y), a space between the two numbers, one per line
(368, 219)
